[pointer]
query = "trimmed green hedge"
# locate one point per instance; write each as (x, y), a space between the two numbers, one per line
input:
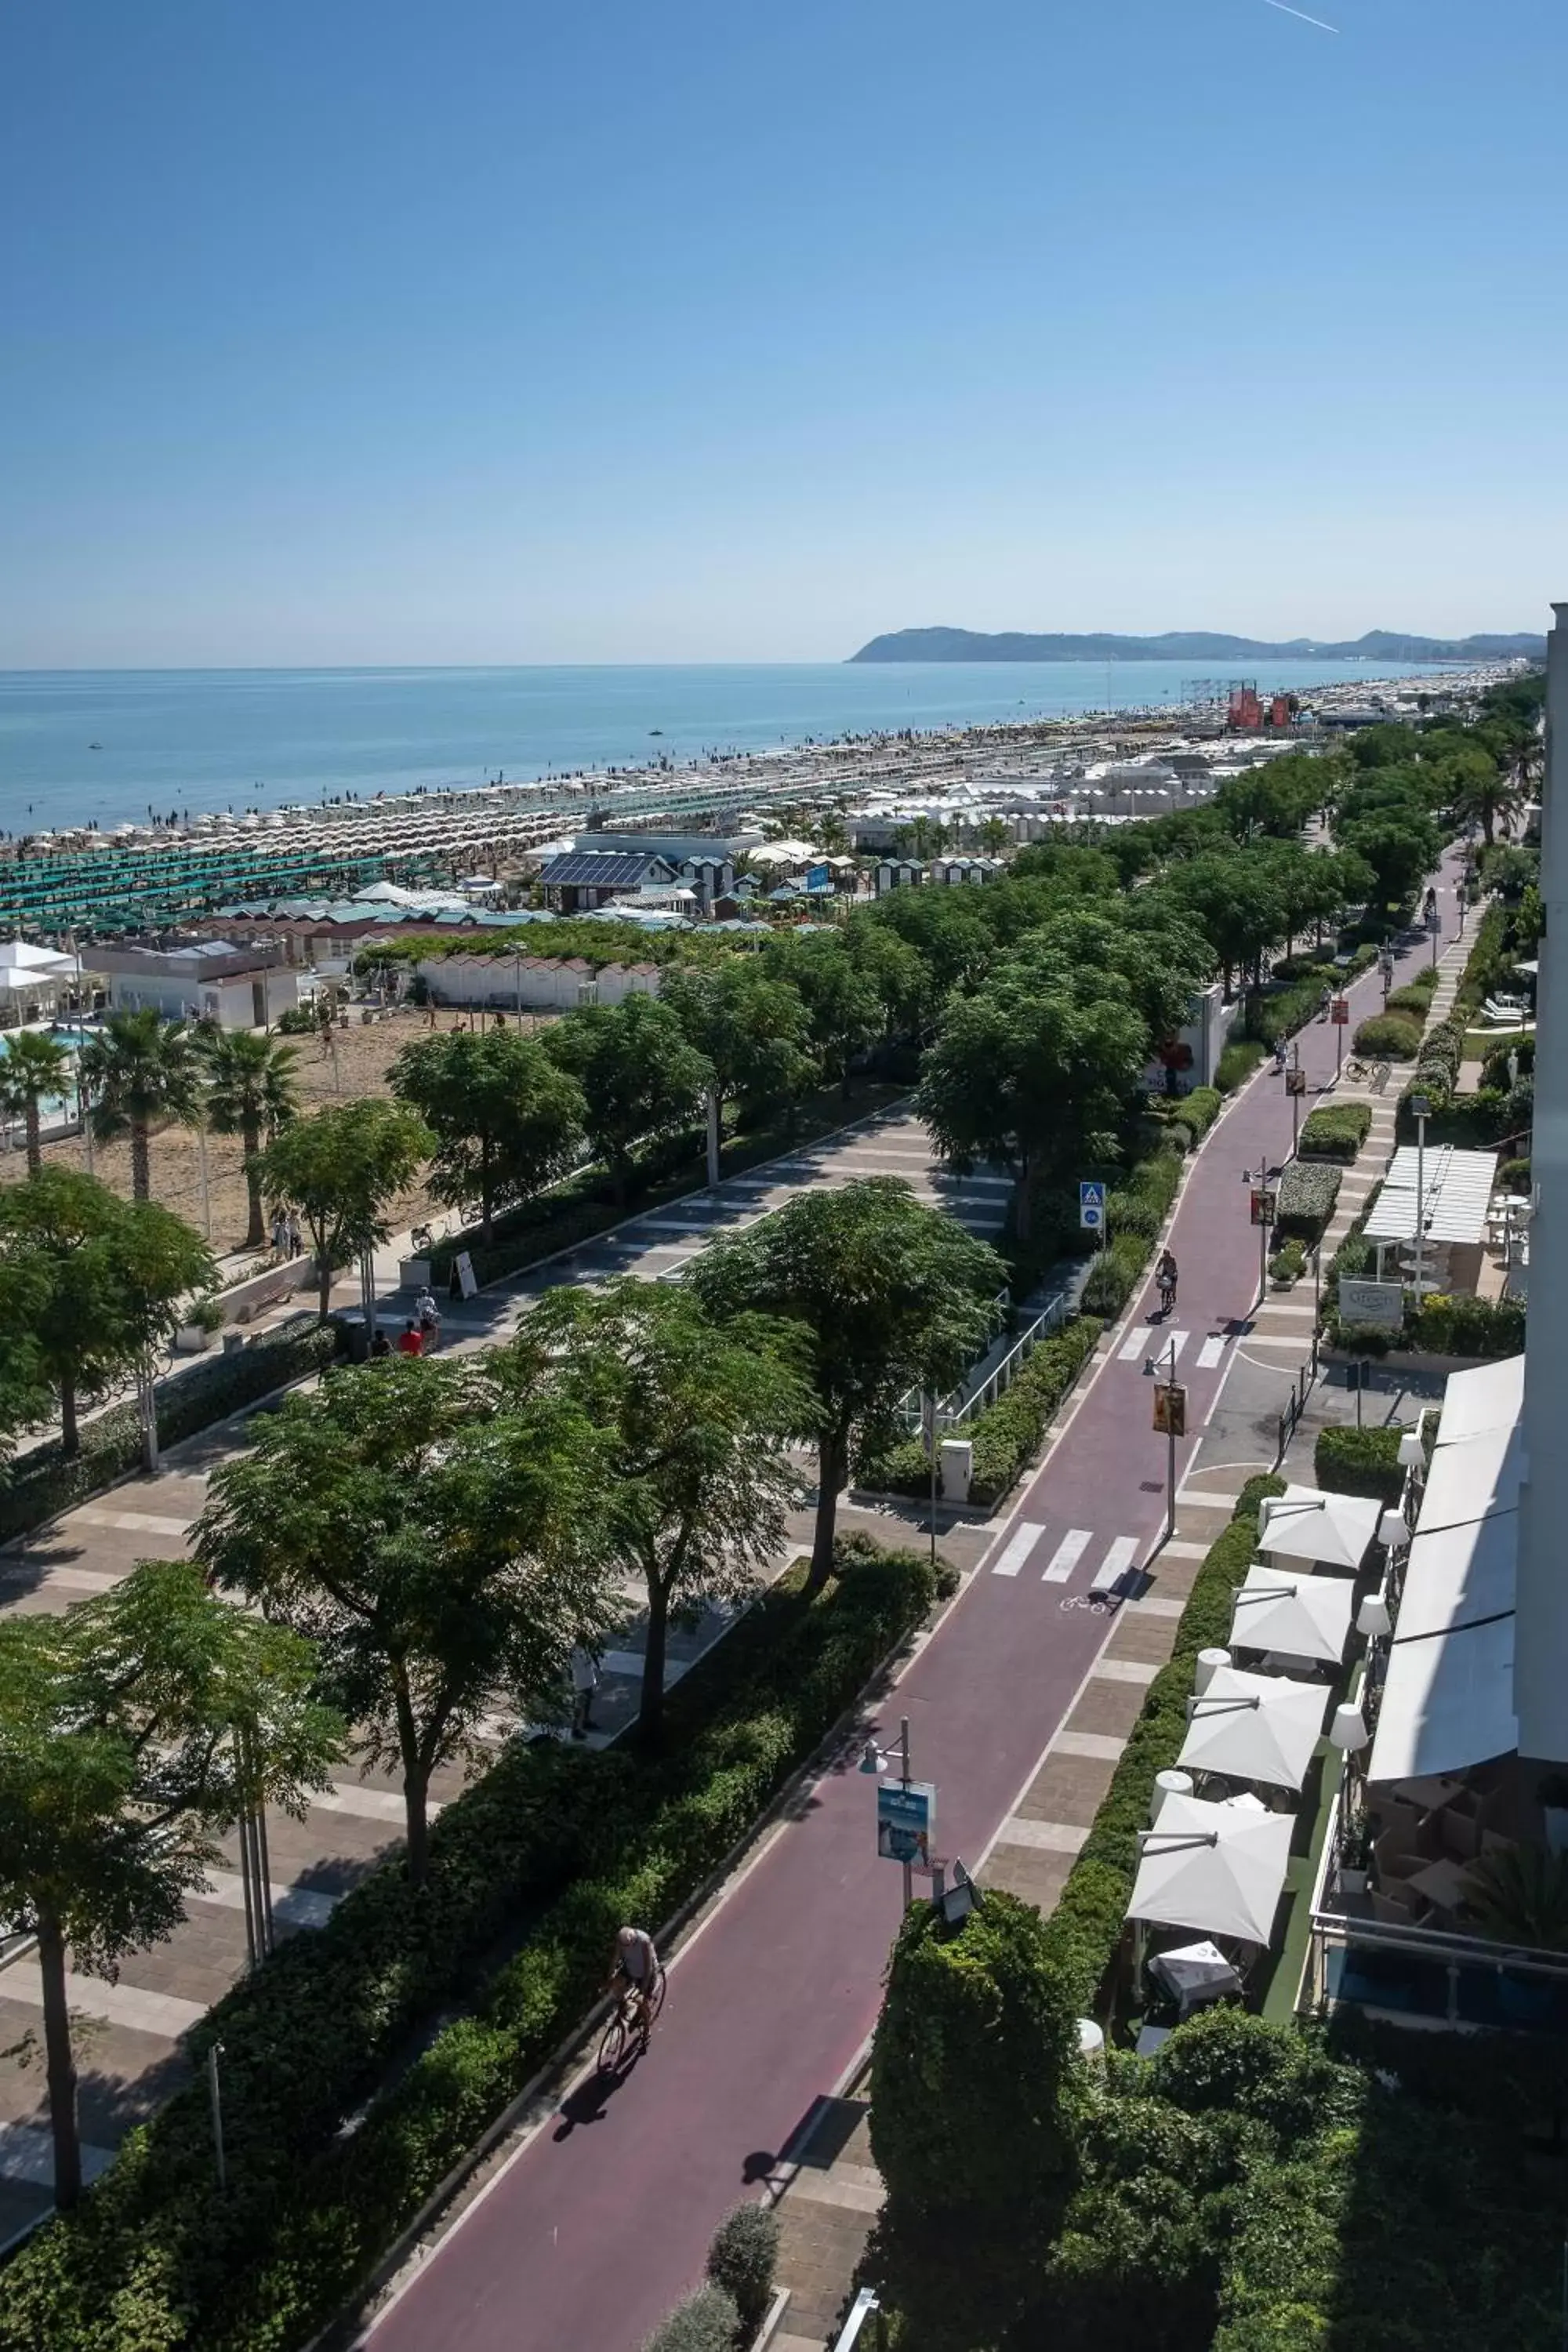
(1336, 1131)
(1200, 1108)
(1391, 1036)
(1007, 1433)
(155, 2258)
(1308, 1191)
(43, 1483)
(1467, 1327)
(1360, 1462)
(1413, 998)
(1084, 1930)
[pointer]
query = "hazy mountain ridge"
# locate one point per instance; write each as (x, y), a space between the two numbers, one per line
(1187, 645)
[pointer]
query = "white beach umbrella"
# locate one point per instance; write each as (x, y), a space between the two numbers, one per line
(1291, 1610)
(1217, 1869)
(1255, 1727)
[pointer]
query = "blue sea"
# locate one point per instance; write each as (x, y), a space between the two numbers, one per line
(194, 740)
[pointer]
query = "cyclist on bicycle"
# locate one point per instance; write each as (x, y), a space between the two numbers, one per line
(1166, 1275)
(635, 1973)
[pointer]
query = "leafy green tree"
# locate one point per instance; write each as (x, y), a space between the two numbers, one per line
(994, 836)
(158, 1265)
(946, 930)
(60, 1229)
(433, 1539)
(695, 1413)
(1232, 895)
(843, 1003)
(506, 1118)
(139, 1069)
(749, 1029)
(1034, 1069)
(893, 1296)
(1485, 786)
(977, 2105)
(1273, 800)
(132, 1730)
(34, 1067)
(1400, 850)
(638, 1076)
(252, 1091)
(342, 1169)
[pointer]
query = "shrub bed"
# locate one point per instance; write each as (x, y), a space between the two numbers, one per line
(1337, 1131)
(1007, 1433)
(155, 2257)
(1391, 1036)
(1360, 1462)
(1308, 1191)
(43, 1483)
(1084, 1930)
(1412, 999)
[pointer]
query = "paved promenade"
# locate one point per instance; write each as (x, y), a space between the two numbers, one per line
(1018, 1702)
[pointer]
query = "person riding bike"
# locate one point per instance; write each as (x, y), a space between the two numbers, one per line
(1166, 1275)
(635, 1973)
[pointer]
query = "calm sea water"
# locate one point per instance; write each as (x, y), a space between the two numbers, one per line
(215, 739)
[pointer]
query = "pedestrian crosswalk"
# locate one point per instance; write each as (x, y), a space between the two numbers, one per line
(1148, 1339)
(1210, 1353)
(1025, 1542)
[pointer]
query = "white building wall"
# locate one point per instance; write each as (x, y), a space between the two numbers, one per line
(541, 987)
(1541, 1648)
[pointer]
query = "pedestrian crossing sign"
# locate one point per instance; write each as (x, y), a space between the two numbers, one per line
(1092, 1208)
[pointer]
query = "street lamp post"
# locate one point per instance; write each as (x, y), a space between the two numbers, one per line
(1421, 1108)
(872, 1760)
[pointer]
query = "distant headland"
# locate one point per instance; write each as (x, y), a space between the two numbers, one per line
(1188, 645)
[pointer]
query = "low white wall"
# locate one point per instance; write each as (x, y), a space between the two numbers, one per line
(538, 986)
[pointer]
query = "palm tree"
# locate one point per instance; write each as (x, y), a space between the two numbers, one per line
(251, 1092)
(142, 1069)
(1519, 1894)
(994, 836)
(33, 1067)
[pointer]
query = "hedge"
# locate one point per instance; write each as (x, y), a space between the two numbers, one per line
(1466, 1326)
(1336, 1131)
(155, 2257)
(1200, 1108)
(1085, 1928)
(1360, 1462)
(1411, 998)
(1308, 1191)
(43, 1483)
(1006, 1434)
(707, 2321)
(1391, 1036)
(1236, 1063)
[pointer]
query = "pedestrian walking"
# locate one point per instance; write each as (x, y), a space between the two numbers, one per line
(429, 1316)
(296, 1238)
(280, 1234)
(585, 1683)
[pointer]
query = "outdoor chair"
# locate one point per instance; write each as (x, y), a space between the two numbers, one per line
(1397, 1910)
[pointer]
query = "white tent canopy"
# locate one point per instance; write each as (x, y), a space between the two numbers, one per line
(1456, 1188)
(1255, 1727)
(1447, 1703)
(1217, 1869)
(1305, 1524)
(1300, 1616)
(1489, 1397)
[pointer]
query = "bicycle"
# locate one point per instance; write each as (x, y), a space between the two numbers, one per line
(625, 2031)
(1167, 1299)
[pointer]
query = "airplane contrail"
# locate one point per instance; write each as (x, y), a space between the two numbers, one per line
(1301, 13)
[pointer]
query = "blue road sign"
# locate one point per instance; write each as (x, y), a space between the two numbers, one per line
(1091, 1207)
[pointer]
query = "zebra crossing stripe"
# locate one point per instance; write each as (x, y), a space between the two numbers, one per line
(1017, 1551)
(1115, 1564)
(1148, 1339)
(1209, 1354)
(1136, 1344)
(1068, 1554)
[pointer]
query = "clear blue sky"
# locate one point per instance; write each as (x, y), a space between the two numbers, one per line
(487, 332)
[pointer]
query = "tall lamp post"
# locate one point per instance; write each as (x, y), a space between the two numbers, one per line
(1421, 1110)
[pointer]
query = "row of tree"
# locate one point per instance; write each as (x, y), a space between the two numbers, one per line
(420, 1543)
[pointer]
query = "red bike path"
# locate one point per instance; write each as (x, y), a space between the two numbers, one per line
(601, 2223)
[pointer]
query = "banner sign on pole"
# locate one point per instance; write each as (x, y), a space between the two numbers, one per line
(906, 1816)
(1342, 1010)
(1295, 1082)
(1382, 1303)
(1092, 1208)
(1263, 1205)
(1171, 1409)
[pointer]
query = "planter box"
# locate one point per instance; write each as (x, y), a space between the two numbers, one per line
(240, 1301)
(192, 1340)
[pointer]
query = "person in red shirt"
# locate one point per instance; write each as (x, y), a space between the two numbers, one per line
(410, 1343)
